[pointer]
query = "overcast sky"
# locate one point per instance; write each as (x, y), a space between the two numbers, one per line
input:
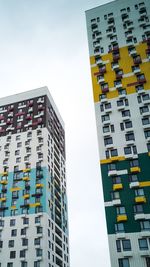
(44, 42)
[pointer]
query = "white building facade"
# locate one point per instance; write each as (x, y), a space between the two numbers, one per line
(33, 199)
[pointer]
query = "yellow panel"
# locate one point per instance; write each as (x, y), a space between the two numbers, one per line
(140, 199)
(4, 182)
(26, 196)
(145, 184)
(121, 218)
(13, 207)
(27, 170)
(92, 60)
(112, 94)
(4, 173)
(141, 50)
(15, 189)
(119, 158)
(39, 185)
(117, 187)
(3, 199)
(135, 169)
(125, 63)
(25, 178)
(35, 204)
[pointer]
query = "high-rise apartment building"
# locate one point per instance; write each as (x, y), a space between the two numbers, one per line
(33, 200)
(119, 46)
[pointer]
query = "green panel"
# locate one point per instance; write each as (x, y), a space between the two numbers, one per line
(127, 195)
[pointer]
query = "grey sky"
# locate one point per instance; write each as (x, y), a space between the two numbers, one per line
(44, 42)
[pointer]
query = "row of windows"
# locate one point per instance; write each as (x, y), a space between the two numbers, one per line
(145, 226)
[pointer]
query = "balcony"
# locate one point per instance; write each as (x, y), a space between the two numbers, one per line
(112, 172)
(118, 85)
(116, 202)
(137, 60)
(122, 218)
(116, 57)
(99, 61)
(139, 216)
(132, 52)
(40, 101)
(119, 75)
(145, 233)
(117, 186)
(141, 80)
(140, 199)
(115, 66)
(136, 70)
(135, 169)
(101, 79)
(102, 70)
(134, 184)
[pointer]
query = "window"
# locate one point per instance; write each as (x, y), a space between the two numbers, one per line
(38, 252)
(1, 243)
(14, 232)
(145, 225)
(24, 264)
(25, 220)
(107, 105)
(37, 264)
(143, 244)
(148, 147)
(145, 97)
(39, 229)
(111, 167)
(9, 264)
(125, 113)
(37, 241)
(127, 150)
(116, 180)
(121, 210)
(114, 152)
(133, 178)
(126, 244)
(37, 220)
(145, 121)
(134, 163)
(106, 129)
(138, 208)
(12, 254)
(23, 231)
(108, 141)
(118, 245)
(115, 195)
(105, 118)
(147, 262)
(144, 109)
(147, 133)
(22, 253)
(124, 262)
(129, 136)
(19, 144)
(139, 192)
(128, 124)
(24, 242)
(11, 243)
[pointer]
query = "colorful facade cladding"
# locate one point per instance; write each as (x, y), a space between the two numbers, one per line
(33, 201)
(119, 46)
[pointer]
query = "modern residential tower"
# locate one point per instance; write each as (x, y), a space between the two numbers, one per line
(119, 46)
(33, 201)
